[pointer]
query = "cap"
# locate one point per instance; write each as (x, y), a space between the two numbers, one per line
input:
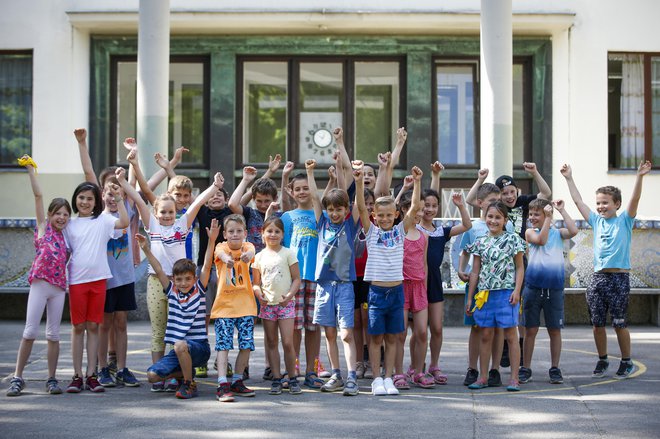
(504, 181)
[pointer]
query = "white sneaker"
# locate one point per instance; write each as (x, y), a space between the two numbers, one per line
(389, 387)
(377, 387)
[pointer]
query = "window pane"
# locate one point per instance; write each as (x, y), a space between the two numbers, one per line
(376, 108)
(518, 138)
(186, 108)
(264, 110)
(15, 107)
(321, 108)
(455, 100)
(655, 110)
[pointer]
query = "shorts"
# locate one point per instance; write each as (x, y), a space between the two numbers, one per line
(211, 288)
(468, 320)
(414, 293)
(86, 302)
(361, 291)
(224, 333)
(434, 292)
(305, 298)
(608, 292)
(497, 312)
(551, 301)
(277, 312)
(334, 304)
(121, 298)
(200, 352)
(385, 310)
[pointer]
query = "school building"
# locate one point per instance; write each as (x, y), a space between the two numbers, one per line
(257, 78)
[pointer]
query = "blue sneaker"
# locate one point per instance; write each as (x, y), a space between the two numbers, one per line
(625, 369)
(105, 379)
(127, 378)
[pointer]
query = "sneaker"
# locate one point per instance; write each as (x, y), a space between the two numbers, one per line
(187, 390)
(276, 388)
(268, 374)
(555, 375)
(505, 361)
(390, 388)
(246, 373)
(334, 384)
(158, 386)
(494, 378)
(351, 388)
(524, 375)
(424, 380)
(470, 376)
(230, 371)
(239, 389)
(16, 386)
(105, 379)
(368, 372)
(202, 372)
(172, 385)
(320, 370)
(378, 387)
(478, 384)
(75, 386)
(223, 393)
(514, 386)
(92, 384)
(625, 369)
(126, 378)
(601, 368)
(294, 387)
(52, 386)
(359, 370)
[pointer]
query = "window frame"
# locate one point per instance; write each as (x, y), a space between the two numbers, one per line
(13, 164)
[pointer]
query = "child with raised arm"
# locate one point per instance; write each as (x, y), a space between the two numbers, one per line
(186, 326)
(384, 270)
(47, 278)
(336, 226)
(609, 286)
(544, 283)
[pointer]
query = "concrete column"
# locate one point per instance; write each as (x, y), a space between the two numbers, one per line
(153, 69)
(496, 87)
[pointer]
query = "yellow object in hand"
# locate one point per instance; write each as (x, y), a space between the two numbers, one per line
(480, 298)
(27, 160)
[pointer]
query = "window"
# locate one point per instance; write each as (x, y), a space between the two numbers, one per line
(291, 106)
(457, 114)
(633, 109)
(15, 106)
(188, 103)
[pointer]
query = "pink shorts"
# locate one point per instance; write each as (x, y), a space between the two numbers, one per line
(414, 293)
(277, 312)
(87, 301)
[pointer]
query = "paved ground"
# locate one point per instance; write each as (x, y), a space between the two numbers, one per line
(581, 407)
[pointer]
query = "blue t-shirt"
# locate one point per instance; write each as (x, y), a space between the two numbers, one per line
(612, 240)
(545, 263)
(120, 253)
(335, 257)
(301, 236)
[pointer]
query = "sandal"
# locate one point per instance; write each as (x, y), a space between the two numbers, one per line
(424, 381)
(479, 384)
(513, 386)
(313, 381)
(401, 382)
(438, 376)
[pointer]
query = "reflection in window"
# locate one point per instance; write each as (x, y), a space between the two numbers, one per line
(15, 106)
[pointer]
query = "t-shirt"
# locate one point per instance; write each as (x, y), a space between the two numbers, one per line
(274, 267)
(186, 314)
(168, 243)
(254, 220)
(189, 237)
(120, 253)
(301, 236)
(479, 228)
(50, 259)
(335, 257)
(498, 269)
(235, 297)
(87, 237)
(519, 213)
(612, 240)
(545, 263)
(385, 247)
(204, 217)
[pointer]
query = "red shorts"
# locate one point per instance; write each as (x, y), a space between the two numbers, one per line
(87, 301)
(414, 293)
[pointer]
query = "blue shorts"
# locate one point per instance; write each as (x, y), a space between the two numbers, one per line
(224, 333)
(334, 304)
(468, 320)
(385, 310)
(497, 312)
(551, 301)
(200, 351)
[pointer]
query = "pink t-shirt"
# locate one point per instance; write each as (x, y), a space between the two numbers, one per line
(50, 262)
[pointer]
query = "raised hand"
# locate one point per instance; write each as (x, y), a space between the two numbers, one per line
(213, 231)
(142, 241)
(310, 164)
(120, 173)
(332, 173)
(548, 210)
(274, 163)
(566, 170)
(219, 180)
(416, 173)
(178, 154)
(132, 156)
(81, 134)
(437, 167)
(130, 143)
(384, 158)
(457, 199)
(408, 182)
(249, 173)
(644, 168)
(401, 135)
(338, 134)
(161, 160)
(483, 173)
(530, 167)
(288, 167)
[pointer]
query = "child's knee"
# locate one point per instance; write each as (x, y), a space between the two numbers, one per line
(181, 347)
(347, 335)
(153, 377)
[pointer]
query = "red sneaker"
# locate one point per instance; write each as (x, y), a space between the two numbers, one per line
(76, 385)
(223, 393)
(239, 389)
(92, 383)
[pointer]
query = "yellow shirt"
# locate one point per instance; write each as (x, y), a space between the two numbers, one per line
(235, 297)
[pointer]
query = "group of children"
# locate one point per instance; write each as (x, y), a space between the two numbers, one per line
(354, 258)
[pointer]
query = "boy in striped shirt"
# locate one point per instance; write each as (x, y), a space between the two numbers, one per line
(186, 320)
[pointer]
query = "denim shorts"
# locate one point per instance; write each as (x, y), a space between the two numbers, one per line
(385, 310)
(497, 312)
(334, 304)
(200, 351)
(224, 333)
(551, 301)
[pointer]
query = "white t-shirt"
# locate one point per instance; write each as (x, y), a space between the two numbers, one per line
(87, 238)
(168, 243)
(385, 249)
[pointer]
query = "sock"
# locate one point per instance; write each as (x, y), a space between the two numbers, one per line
(293, 380)
(602, 357)
(222, 379)
(352, 375)
(337, 372)
(626, 360)
(236, 377)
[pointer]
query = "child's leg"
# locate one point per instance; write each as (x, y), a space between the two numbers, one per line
(120, 330)
(436, 318)
(498, 345)
(245, 327)
(511, 335)
(286, 333)
(600, 338)
(390, 353)
(412, 343)
(77, 341)
(358, 334)
(485, 349)
(350, 354)
(528, 345)
(54, 305)
(623, 337)
(95, 307)
(157, 306)
(420, 319)
(37, 300)
(92, 347)
(474, 347)
(312, 331)
(221, 360)
(331, 343)
(104, 331)
(555, 345)
(374, 352)
(400, 346)
(242, 361)
(185, 360)
(224, 342)
(272, 350)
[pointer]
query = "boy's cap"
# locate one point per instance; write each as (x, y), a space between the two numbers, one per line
(504, 181)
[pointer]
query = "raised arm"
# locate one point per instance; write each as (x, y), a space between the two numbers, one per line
(122, 222)
(417, 204)
(544, 190)
(212, 233)
(340, 172)
(318, 209)
(567, 172)
(155, 264)
(218, 183)
(338, 134)
(383, 179)
(644, 168)
(85, 159)
(160, 175)
(401, 136)
(358, 175)
(471, 197)
(249, 175)
(571, 229)
(130, 191)
(436, 170)
(40, 213)
(165, 165)
(332, 181)
(466, 222)
(542, 237)
(139, 176)
(273, 166)
(284, 190)
(408, 182)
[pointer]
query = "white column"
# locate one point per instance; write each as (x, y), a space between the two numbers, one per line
(153, 82)
(496, 87)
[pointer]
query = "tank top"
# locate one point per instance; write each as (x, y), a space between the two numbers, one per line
(413, 258)
(50, 261)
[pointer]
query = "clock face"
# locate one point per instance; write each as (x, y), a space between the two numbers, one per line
(322, 138)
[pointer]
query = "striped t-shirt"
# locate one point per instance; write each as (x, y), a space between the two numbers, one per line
(385, 248)
(186, 314)
(168, 243)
